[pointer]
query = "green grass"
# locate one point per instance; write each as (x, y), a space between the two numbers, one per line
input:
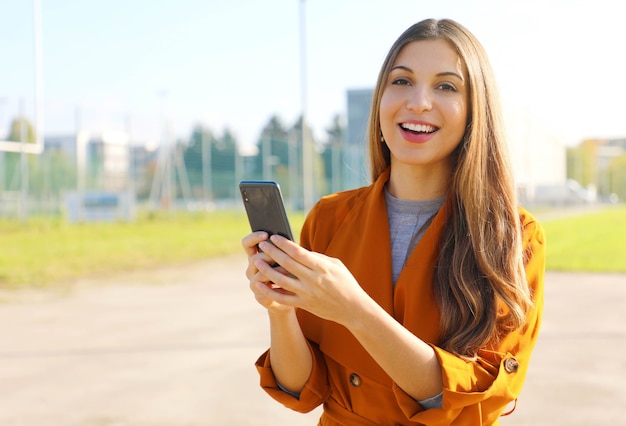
(43, 252)
(594, 242)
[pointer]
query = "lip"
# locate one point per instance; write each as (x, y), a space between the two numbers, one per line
(417, 137)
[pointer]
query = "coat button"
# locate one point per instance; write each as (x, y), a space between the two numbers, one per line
(355, 380)
(511, 365)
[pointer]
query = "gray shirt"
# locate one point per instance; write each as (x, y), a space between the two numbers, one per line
(407, 220)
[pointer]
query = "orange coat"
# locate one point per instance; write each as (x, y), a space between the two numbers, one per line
(355, 390)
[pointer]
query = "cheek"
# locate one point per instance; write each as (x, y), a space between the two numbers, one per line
(458, 114)
(387, 110)
(384, 105)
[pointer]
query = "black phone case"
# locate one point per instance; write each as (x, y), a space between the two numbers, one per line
(265, 208)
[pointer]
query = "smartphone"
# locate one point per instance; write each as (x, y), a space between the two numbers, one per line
(265, 207)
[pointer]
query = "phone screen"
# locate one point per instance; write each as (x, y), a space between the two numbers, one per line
(264, 206)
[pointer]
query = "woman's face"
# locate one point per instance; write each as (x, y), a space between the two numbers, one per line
(423, 108)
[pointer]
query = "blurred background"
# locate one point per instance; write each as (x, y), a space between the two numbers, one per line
(125, 127)
(110, 107)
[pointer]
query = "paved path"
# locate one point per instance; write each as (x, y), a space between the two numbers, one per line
(176, 347)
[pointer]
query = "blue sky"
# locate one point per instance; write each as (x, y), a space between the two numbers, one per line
(234, 63)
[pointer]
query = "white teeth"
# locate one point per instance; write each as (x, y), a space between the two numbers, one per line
(422, 128)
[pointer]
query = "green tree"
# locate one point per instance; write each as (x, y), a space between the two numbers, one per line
(616, 178)
(22, 130)
(319, 181)
(51, 174)
(192, 153)
(223, 159)
(224, 152)
(273, 150)
(582, 163)
(332, 153)
(220, 153)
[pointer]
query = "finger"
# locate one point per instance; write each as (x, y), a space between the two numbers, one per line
(260, 288)
(279, 258)
(269, 249)
(288, 282)
(291, 256)
(258, 291)
(265, 293)
(251, 270)
(251, 241)
(261, 277)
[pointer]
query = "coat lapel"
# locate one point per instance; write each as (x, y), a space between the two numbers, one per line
(414, 302)
(361, 240)
(363, 244)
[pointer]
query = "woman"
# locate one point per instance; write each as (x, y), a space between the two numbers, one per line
(417, 299)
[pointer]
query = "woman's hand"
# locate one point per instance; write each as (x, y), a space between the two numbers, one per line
(250, 246)
(324, 287)
(314, 282)
(258, 281)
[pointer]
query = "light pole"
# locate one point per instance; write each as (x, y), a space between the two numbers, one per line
(38, 146)
(2, 166)
(307, 159)
(207, 169)
(38, 74)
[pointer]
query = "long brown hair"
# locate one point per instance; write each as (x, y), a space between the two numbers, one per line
(480, 283)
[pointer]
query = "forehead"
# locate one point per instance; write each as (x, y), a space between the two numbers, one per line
(430, 55)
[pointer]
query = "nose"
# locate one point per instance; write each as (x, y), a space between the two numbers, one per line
(420, 99)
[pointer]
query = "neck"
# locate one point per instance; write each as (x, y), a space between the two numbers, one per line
(417, 183)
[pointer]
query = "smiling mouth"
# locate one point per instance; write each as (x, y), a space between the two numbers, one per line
(418, 128)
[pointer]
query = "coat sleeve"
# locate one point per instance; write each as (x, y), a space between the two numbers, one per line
(315, 391)
(483, 387)
(317, 388)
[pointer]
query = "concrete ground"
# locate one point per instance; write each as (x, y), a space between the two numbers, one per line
(176, 346)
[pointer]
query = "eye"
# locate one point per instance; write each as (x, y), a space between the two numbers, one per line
(401, 81)
(447, 87)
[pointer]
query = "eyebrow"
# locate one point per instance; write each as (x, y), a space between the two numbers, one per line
(441, 74)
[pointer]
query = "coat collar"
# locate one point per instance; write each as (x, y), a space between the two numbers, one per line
(361, 240)
(363, 243)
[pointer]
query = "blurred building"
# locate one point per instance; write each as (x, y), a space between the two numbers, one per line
(102, 161)
(600, 164)
(538, 154)
(107, 174)
(61, 144)
(106, 161)
(608, 150)
(538, 157)
(143, 161)
(355, 170)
